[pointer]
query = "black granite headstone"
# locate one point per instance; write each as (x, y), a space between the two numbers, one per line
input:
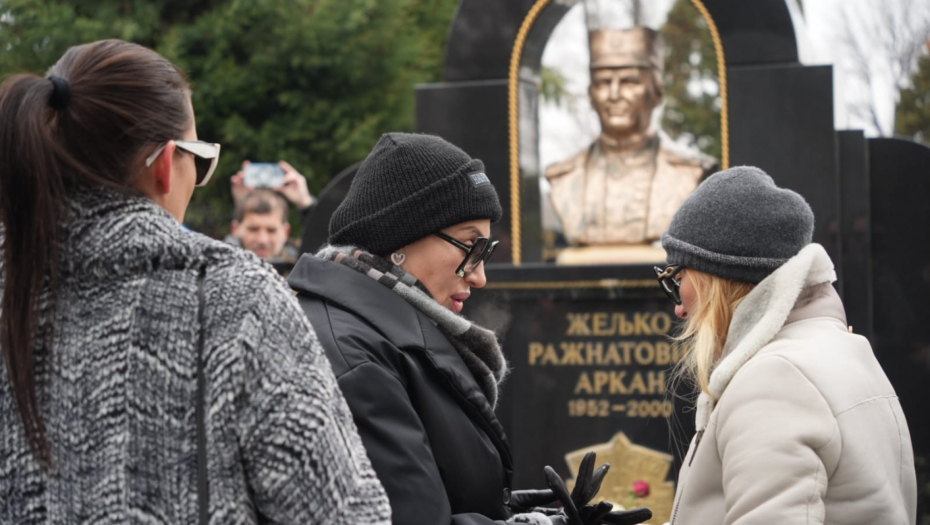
(900, 205)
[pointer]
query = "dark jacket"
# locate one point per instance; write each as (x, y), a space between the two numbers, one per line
(432, 437)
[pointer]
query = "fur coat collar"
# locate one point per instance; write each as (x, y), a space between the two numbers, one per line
(761, 315)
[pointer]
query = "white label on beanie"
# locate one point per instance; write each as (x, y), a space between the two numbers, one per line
(480, 179)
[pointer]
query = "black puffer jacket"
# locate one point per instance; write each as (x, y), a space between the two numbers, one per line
(432, 437)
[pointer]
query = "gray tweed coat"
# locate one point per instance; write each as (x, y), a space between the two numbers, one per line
(117, 389)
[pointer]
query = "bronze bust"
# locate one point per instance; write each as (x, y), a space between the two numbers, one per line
(625, 187)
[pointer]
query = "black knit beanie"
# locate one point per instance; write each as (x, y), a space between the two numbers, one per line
(737, 224)
(410, 186)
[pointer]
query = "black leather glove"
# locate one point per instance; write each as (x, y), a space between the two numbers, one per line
(627, 517)
(587, 484)
(528, 500)
(575, 508)
(588, 481)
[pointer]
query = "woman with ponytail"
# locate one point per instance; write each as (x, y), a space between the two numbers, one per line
(796, 421)
(149, 374)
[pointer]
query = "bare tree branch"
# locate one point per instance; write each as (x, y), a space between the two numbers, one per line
(877, 36)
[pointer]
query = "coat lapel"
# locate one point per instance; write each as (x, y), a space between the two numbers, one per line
(368, 299)
(464, 387)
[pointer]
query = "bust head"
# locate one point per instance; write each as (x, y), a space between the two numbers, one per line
(626, 79)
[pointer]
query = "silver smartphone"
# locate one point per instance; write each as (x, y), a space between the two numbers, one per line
(264, 175)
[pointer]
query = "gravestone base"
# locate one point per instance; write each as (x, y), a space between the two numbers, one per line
(592, 361)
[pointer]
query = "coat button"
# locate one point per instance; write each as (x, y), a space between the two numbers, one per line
(506, 496)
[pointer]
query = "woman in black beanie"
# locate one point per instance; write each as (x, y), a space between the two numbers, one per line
(796, 421)
(405, 248)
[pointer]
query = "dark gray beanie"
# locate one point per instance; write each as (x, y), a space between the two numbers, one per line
(737, 224)
(411, 186)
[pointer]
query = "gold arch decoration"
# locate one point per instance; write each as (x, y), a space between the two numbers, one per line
(513, 96)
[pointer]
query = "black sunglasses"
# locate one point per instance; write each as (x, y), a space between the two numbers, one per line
(668, 282)
(475, 254)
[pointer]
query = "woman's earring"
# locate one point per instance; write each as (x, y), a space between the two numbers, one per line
(398, 258)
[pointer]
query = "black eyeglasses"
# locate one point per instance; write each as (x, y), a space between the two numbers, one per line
(668, 282)
(475, 254)
(206, 155)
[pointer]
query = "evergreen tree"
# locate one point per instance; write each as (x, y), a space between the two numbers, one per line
(912, 116)
(692, 102)
(313, 82)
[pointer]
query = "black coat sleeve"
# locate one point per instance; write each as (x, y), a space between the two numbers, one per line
(399, 448)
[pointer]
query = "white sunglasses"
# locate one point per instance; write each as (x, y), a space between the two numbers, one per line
(206, 155)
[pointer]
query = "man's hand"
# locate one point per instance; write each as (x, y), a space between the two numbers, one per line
(294, 187)
(237, 185)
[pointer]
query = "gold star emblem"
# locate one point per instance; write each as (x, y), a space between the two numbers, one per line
(630, 462)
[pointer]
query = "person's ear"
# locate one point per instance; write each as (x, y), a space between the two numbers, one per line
(233, 227)
(287, 230)
(163, 165)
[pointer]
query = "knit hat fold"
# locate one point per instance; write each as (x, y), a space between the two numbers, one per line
(739, 225)
(410, 186)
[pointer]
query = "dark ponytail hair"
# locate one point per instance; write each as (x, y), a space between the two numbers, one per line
(102, 109)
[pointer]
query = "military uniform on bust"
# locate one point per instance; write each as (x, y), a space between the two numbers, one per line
(606, 196)
(625, 187)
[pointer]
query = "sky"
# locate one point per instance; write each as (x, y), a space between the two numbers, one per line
(820, 42)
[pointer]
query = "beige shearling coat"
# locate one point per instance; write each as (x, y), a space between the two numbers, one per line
(802, 425)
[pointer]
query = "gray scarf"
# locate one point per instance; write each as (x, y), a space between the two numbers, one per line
(477, 346)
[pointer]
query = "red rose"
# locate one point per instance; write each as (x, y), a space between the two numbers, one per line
(641, 488)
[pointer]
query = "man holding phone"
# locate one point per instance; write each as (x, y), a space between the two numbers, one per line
(290, 183)
(261, 224)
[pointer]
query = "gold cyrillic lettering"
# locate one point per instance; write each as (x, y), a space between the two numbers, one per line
(663, 353)
(613, 356)
(661, 323)
(640, 321)
(645, 353)
(550, 357)
(578, 324)
(637, 385)
(656, 381)
(571, 353)
(616, 382)
(601, 378)
(594, 354)
(535, 351)
(583, 386)
(626, 327)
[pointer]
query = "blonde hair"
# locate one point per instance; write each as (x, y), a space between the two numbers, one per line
(704, 333)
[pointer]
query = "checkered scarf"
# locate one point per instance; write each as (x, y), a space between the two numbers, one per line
(477, 346)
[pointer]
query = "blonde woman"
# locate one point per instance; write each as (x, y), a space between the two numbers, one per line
(796, 421)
